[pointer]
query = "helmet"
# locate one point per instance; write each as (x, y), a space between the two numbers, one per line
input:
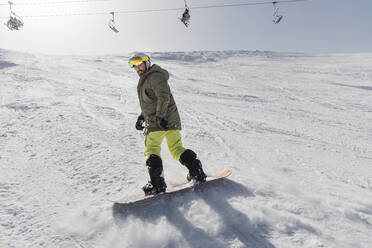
(138, 58)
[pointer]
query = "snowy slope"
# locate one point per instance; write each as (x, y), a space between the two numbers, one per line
(294, 128)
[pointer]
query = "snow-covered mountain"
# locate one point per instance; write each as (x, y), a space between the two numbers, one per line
(294, 128)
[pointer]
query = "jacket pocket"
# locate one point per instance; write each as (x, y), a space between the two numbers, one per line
(147, 97)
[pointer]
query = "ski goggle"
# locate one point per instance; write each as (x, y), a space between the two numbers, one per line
(136, 61)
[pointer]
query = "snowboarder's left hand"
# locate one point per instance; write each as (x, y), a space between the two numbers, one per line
(162, 123)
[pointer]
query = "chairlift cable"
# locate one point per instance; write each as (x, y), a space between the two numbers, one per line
(161, 10)
(245, 4)
(55, 2)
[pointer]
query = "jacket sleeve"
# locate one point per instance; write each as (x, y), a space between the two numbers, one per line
(162, 91)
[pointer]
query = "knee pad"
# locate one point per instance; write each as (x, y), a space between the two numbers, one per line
(187, 157)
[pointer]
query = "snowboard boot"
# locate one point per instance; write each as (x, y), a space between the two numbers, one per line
(156, 184)
(188, 159)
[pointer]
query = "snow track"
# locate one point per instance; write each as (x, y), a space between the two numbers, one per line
(294, 128)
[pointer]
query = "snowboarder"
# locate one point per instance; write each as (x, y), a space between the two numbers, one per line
(160, 119)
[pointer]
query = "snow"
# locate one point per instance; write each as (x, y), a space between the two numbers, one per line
(294, 128)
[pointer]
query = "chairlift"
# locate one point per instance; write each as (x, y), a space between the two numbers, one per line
(277, 18)
(186, 16)
(112, 23)
(14, 22)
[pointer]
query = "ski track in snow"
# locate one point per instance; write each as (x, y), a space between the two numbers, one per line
(294, 128)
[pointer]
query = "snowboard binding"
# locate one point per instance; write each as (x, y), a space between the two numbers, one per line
(150, 189)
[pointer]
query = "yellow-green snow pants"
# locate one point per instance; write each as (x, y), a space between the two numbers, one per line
(154, 139)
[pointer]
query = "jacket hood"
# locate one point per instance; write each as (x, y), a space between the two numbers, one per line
(155, 68)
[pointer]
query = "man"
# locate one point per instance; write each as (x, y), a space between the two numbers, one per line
(160, 115)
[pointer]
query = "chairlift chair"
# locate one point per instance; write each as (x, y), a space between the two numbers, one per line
(112, 23)
(14, 22)
(277, 18)
(186, 16)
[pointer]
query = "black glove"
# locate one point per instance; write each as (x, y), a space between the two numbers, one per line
(139, 123)
(162, 123)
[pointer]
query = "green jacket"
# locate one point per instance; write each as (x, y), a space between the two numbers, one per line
(156, 99)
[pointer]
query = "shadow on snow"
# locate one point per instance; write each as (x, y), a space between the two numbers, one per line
(234, 223)
(355, 86)
(5, 64)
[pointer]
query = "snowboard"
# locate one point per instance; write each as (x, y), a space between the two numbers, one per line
(143, 200)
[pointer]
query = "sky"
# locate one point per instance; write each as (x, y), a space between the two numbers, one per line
(313, 26)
